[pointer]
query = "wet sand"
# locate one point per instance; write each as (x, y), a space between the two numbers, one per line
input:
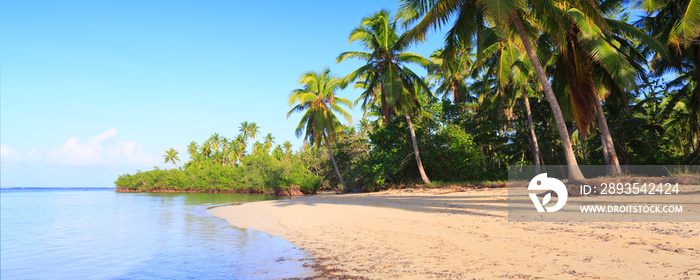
(443, 234)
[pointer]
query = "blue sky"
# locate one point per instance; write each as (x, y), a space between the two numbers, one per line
(90, 90)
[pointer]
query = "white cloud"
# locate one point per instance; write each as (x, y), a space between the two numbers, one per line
(129, 153)
(100, 150)
(9, 154)
(77, 153)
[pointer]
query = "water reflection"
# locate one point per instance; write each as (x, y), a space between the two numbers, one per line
(206, 198)
(108, 235)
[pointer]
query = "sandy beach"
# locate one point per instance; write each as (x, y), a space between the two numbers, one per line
(444, 234)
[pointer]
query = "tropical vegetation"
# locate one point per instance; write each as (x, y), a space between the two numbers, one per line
(527, 82)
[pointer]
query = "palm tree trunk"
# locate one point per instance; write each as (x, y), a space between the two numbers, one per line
(456, 92)
(583, 149)
(696, 58)
(385, 108)
(533, 136)
(330, 152)
(611, 161)
(415, 151)
(693, 155)
(695, 100)
(574, 171)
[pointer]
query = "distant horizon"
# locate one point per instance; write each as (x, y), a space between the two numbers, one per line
(106, 188)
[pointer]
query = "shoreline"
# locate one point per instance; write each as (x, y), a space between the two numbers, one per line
(417, 234)
(291, 192)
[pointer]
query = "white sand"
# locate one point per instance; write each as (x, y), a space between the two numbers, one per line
(465, 235)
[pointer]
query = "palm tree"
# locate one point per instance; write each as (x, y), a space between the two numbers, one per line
(317, 100)
(677, 24)
(685, 128)
(233, 152)
(171, 156)
(277, 152)
(533, 136)
(287, 147)
(472, 17)
(242, 144)
(258, 147)
(206, 148)
(678, 21)
(197, 161)
(269, 141)
(513, 75)
(215, 141)
(408, 104)
(452, 76)
(253, 130)
(383, 73)
(244, 129)
(192, 149)
(513, 72)
(596, 57)
(364, 126)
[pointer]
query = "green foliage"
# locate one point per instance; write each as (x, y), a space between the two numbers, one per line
(454, 156)
(257, 173)
(448, 154)
(350, 150)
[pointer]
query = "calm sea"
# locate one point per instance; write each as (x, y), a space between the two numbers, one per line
(101, 234)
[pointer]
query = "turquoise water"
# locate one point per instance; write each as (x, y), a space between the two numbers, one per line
(101, 234)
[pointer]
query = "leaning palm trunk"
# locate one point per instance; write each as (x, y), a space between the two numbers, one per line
(574, 171)
(330, 152)
(415, 151)
(693, 156)
(611, 162)
(533, 136)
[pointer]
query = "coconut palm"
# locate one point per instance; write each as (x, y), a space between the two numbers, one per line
(242, 144)
(258, 147)
(192, 149)
(364, 126)
(533, 137)
(197, 161)
(233, 153)
(317, 100)
(253, 130)
(269, 141)
(206, 148)
(506, 73)
(171, 156)
(244, 129)
(287, 147)
(407, 105)
(384, 72)
(504, 57)
(452, 77)
(277, 152)
(685, 128)
(215, 140)
(598, 59)
(677, 21)
(471, 19)
(677, 24)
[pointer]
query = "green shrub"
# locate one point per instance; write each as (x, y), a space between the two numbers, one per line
(258, 173)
